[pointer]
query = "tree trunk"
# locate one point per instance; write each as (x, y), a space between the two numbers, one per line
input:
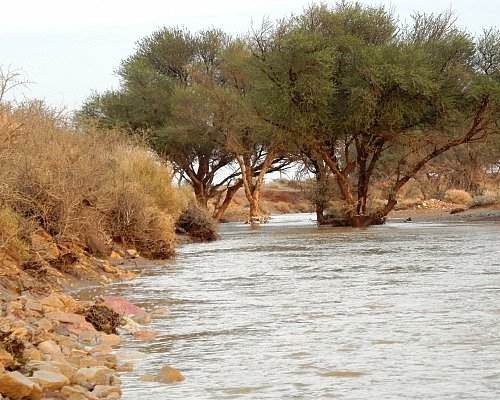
(200, 192)
(253, 186)
(230, 192)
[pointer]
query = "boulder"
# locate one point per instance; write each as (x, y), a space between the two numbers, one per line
(122, 306)
(77, 393)
(50, 347)
(51, 303)
(16, 386)
(109, 340)
(6, 358)
(104, 391)
(49, 380)
(89, 377)
(145, 335)
(169, 375)
(65, 317)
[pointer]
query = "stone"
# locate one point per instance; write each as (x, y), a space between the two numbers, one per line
(33, 355)
(101, 348)
(51, 303)
(61, 367)
(115, 256)
(132, 253)
(89, 377)
(81, 327)
(45, 324)
(122, 306)
(145, 335)
(169, 375)
(6, 358)
(130, 356)
(129, 325)
(108, 360)
(50, 347)
(33, 305)
(69, 318)
(77, 393)
(16, 386)
(125, 367)
(148, 378)
(103, 391)
(109, 340)
(50, 380)
(43, 244)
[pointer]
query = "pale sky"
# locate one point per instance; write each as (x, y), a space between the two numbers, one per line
(68, 48)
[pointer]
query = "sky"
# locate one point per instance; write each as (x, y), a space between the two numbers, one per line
(69, 48)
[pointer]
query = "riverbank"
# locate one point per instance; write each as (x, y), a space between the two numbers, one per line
(455, 214)
(55, 346)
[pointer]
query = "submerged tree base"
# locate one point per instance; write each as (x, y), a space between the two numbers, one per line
(355, 221)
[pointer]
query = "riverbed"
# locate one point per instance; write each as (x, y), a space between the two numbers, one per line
(288, 310)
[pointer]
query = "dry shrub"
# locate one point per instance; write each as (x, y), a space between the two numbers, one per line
(77, 185)
(11, 241)
(197, 223)
(458, 196)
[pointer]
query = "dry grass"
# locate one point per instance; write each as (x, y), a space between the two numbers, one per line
(458, 196)
(80, 184)
(11, 241)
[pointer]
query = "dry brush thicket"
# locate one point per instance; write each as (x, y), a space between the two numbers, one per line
(88, 187)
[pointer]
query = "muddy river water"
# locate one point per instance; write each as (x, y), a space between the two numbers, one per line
(290, 311)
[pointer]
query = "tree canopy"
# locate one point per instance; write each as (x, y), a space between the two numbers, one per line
(345, 87)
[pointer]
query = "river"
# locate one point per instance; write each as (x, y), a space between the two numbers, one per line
(291, 311)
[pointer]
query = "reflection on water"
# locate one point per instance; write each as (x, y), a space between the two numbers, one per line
(290, 311)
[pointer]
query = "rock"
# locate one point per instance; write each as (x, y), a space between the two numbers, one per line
(32, 354)
(33, 305)
(6, 358)
(125, 367)
(61, 367)
(145, 335)
(43, 244)
(45, 324)
(130, 356)
(89, 338)
(77, 393)
(16, 386)
(50, 347)
(69, 318)
(169, 375)
(52, 303)
(148, 378)
(103, 391)
(132, 253)
(115, 256)
(122, 306)
(91, 376)
(97, 245)
(49, 380)
(109, 340)
(81, 327)
(102, 348)
(130, 325)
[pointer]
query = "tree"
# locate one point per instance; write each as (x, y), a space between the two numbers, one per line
(366, 94)
(162, 89)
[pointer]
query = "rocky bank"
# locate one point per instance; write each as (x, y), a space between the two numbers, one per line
(53, 346)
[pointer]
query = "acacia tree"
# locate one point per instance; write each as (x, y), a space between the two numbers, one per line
(256, 145)
(162, 85)
(365, 94)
